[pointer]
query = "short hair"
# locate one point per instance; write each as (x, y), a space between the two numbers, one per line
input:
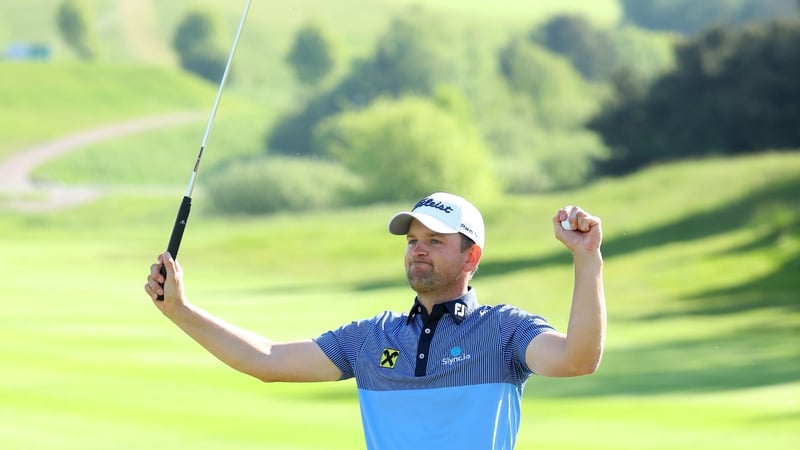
(466, 244)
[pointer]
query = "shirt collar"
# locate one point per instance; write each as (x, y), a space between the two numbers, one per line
(459, 308)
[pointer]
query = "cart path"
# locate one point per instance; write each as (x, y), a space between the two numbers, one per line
(19, 192)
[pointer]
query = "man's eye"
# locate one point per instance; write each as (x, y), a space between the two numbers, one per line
(412, 242)
(435, 241)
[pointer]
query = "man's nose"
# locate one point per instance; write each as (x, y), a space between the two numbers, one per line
(419, 248)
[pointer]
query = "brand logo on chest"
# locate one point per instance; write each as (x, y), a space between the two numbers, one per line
(389, 358)
(457, 355)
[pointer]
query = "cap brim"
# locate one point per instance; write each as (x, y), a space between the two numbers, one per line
(401, 222)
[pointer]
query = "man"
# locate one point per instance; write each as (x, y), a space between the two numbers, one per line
(450, 372)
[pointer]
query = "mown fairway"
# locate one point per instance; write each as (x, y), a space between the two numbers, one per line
(702, 347)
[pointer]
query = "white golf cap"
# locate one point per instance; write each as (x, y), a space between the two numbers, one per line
(443, 213)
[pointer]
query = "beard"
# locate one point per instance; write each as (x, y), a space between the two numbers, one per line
(422, 281)
(425, 278)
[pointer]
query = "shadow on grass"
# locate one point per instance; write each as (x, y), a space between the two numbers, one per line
(744, 359)
(725, 218)
(778, 288)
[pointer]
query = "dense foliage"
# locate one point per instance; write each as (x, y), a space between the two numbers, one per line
(197, 46)
(313, 55)
(692, 16)
(413, 57)
(600, 53)
(531, 110)
(273, 184)
(733, 91)
(408, 148)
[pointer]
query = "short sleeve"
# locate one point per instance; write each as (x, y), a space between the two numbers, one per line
(519, 327)
(341, 345)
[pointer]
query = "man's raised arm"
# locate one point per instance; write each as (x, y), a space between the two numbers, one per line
(241, 349)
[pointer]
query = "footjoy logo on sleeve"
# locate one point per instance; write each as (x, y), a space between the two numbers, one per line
(456, 355)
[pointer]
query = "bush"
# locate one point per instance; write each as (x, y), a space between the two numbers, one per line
(551, 161)
(274, 184)
(408, 148)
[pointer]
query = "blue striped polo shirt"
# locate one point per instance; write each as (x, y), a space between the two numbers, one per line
(451, 379)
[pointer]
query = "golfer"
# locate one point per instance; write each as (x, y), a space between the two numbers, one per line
(447, 374)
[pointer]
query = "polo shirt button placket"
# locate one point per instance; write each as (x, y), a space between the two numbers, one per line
(429, 324)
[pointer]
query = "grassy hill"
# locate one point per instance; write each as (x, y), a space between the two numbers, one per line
(42, 101)
(701, 270)
(141, 30)
(136, 73)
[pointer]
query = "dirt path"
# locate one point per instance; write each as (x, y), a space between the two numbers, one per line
(19, 192)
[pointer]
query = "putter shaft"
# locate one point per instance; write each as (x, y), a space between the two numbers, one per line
(186, 204)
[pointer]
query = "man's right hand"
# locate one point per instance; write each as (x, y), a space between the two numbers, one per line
(171, 287)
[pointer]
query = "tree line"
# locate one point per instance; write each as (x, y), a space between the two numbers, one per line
(433, 108)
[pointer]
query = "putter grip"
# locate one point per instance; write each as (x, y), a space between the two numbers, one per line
(177, 232)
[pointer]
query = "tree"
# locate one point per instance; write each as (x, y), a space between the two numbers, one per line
(559, 95)
(313, 54)
(75, 24)
(415, 56)
(590, 50)
(196, 42)
(404, 149)
(691, 16)
(599, 53)
(733, 91)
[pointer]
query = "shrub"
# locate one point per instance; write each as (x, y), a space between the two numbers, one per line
(405, 149)
(274, 184)
(552, 160)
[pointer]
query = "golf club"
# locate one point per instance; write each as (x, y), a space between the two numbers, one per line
(186, 204)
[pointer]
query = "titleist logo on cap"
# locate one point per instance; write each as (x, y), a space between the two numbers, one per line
(433, 204)
(442, 213)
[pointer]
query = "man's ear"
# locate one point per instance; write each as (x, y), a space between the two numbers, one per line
(473, 258)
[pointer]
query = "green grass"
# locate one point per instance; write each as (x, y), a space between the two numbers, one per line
(703, 316)
(164, 156)
(51, 92)
(701, 257)
(59, 99)
(270, 25)
(135, 74)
